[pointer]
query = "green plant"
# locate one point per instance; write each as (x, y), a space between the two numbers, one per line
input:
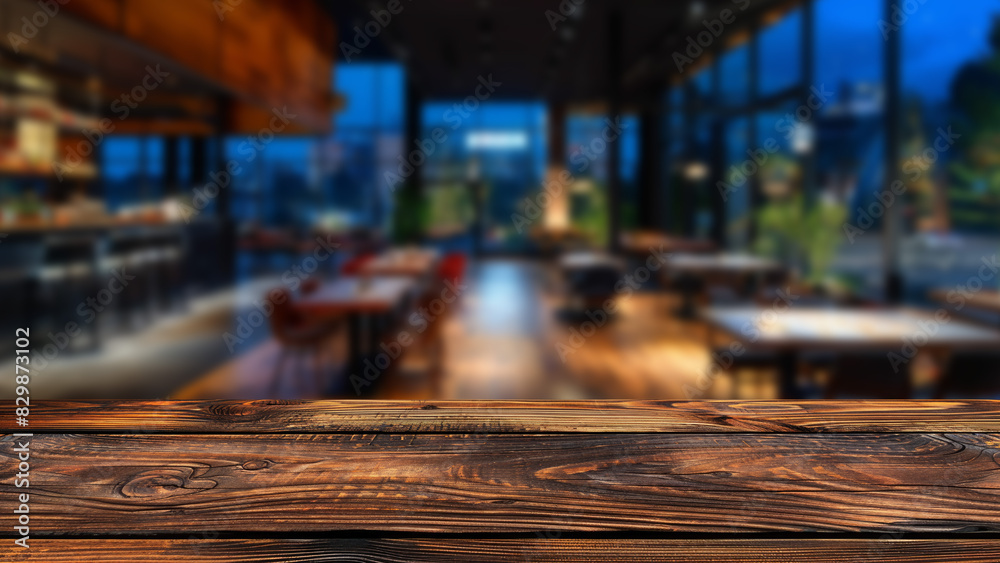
(590, 211)
(807, 238)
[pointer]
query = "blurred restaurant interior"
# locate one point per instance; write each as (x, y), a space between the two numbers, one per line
(517, 199)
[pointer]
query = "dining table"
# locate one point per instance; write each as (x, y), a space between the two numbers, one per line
(368, 303)
(402, 262)
(638, 243)
(588, 259)
(789, 330)
(985, 300)
(589, 278)
(744, 268)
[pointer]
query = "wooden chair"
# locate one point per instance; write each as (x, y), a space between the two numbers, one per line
(354, 265)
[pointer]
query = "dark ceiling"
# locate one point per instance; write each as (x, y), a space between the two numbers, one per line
(447, 44)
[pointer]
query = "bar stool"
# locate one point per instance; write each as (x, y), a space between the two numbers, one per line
(20, 259)
(66, 279)
(130, 253)
(167, 268)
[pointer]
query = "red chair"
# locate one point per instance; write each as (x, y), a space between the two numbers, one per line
(297, 334)
(425, 358)
(310, 285)
(353, 266)
(452, 268)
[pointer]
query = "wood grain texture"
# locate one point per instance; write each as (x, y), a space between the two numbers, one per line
(490, 483)
(260, 417)
(526, 549)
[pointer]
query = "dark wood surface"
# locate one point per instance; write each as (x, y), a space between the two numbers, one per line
(542, 549)
(395, 481)
(490, 483)
(259, 417)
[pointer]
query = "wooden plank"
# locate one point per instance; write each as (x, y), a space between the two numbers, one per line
(493, 483)
(447, 550)
(164, 126)
(187, 31)
(261, 417)
(104, 13)
(247, 50)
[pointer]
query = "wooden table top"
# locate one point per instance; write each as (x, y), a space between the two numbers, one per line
(358, 294)
(589, 259)
(984, 299)
(710, 263)
(643, 242)
(854, 329)
(495, 481)
(402, 262)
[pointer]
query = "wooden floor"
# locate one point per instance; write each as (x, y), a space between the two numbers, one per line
(502, 340)
(496, 481)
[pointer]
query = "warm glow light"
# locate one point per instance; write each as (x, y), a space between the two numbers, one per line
(696, 171)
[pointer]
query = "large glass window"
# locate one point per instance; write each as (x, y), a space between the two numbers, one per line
(364, 173)
(735, 76)
(132, 170)
(781, 53)
(738, 178)
(673, 160)
(488, 158)
(950, 76)
(334, 181)
(846, 118)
